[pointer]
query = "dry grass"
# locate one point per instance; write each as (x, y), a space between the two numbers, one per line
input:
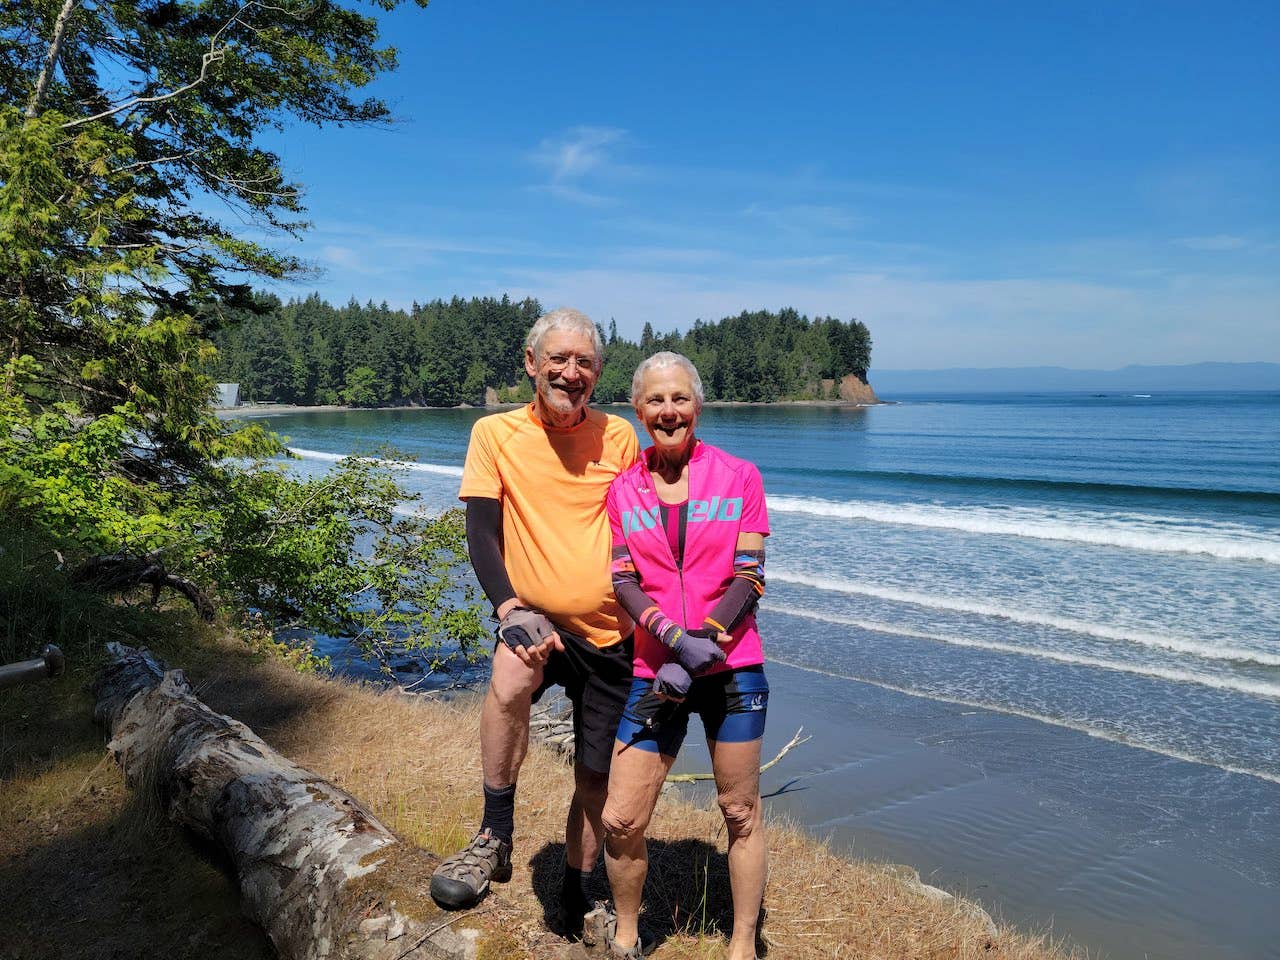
(87, 870)
(416, 764)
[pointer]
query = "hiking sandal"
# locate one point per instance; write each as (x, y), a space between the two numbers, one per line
(464, 877)
(600, 926)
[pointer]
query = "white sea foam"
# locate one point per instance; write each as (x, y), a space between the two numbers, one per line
(1080, 726)
(1255, 688)
(1130, 531)
(438, 468)
(1196, 648)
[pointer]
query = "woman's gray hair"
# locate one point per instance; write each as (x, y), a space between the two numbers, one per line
(565, 318)
(660, 361)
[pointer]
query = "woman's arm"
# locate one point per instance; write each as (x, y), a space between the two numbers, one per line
(692, 650)
(746, 588)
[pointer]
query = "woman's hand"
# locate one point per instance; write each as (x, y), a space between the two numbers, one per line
(697, 650)
(672, 682)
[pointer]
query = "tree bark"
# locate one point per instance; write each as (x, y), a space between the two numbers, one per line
(316, 870)
(52, 52)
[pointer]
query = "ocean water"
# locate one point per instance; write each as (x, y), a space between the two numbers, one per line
(1092, 568)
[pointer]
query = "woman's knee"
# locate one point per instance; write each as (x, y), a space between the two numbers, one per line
(623, 823)
(739, 814)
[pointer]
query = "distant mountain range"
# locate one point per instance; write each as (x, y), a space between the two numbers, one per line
(1191, 376)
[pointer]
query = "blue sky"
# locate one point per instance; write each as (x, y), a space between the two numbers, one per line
(982, 184)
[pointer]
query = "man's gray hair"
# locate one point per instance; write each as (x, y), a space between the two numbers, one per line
(565, 318)
(660, 361)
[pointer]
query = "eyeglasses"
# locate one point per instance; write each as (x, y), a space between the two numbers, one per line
(558, 362)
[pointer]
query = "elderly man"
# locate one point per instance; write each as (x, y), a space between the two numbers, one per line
(534, 483)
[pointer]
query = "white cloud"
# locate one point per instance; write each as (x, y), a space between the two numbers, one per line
(574, 194)
(804, 217)
(1219, 241)
(344, 257)
(582, 151)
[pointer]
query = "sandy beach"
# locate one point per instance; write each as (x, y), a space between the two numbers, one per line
(1138, 865)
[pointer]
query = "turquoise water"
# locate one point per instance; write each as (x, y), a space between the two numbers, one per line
(1104, 565)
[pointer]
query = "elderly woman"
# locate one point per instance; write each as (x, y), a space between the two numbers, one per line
(688, 525)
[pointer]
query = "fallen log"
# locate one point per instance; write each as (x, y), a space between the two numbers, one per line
(321, 875)
(124, 571)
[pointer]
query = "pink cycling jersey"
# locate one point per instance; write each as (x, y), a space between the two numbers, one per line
(726, 498)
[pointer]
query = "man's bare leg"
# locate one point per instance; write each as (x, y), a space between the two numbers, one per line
(504, 718)
(463, 878)
(583, 832)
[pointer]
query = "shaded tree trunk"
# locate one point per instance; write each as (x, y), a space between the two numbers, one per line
(316, 870)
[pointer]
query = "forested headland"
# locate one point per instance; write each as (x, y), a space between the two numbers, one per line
(445, 353)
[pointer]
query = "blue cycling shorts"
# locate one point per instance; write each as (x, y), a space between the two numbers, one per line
(732, 704)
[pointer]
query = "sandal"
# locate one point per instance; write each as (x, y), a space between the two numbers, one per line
(601, 925)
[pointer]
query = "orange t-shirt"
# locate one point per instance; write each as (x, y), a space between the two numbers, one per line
(555, 532)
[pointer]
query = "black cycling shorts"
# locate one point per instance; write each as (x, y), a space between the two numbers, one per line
(597, 681)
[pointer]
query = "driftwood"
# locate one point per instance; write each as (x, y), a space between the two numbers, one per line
(124, 571)
(795, 741)
(316, 869)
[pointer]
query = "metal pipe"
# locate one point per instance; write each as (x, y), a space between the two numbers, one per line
(48, 664)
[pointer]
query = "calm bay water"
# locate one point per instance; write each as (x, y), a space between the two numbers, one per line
(1097, 565)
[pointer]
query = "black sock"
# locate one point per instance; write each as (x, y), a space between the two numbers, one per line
(573, 890)
(500, 811)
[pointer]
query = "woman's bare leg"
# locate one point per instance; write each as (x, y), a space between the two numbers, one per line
(737, 771)
(635, 779)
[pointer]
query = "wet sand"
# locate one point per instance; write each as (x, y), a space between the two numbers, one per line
(1125, 852)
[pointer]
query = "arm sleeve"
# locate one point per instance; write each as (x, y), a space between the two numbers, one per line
(626, 584)
(744, 592)
(622, 571)
(484, 547)
(747, 586)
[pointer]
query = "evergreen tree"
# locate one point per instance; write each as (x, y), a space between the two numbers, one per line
(125, 125)
(449, 352)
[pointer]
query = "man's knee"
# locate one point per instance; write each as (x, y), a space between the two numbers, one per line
(512, 682)
(739, 814)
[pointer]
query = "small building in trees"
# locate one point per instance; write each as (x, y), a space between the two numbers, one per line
(228, 395)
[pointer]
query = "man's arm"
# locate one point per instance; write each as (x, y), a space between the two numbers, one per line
(484, 547)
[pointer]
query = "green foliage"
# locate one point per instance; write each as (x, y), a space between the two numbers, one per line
(362, 388)
(344, 553)
(307, 351)
(121, 122)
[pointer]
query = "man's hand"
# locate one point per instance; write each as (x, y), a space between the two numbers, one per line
(529, 634)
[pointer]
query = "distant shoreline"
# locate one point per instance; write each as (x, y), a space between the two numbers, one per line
(280, 409)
